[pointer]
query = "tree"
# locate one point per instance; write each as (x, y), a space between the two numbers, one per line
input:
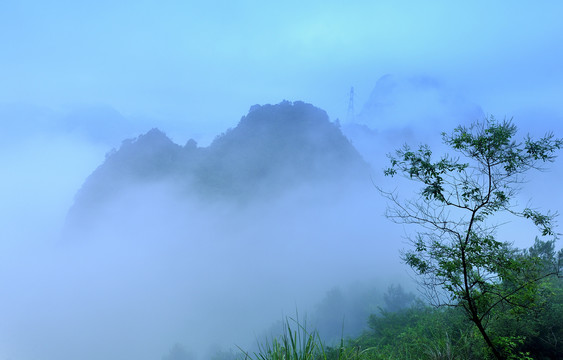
(396, 298)
(456, 253)
(537, 330)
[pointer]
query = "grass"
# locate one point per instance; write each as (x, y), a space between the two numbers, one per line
(297, 343)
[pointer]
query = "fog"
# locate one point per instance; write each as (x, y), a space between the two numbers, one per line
(157, 269)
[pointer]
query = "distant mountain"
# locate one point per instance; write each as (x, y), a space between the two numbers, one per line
(98, 124)
(272, 149)
(418, 102)
(407, 110)
(18, 120)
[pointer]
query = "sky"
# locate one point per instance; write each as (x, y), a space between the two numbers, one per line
(193, 69)
(203, 64)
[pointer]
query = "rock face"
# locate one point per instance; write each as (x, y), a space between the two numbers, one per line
(272, 149)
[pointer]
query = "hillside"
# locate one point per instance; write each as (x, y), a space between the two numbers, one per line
(274, 148)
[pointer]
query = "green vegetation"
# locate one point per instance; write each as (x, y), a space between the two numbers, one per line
(456, 253)
(486, 298)
(429, 332)
(297, 343)
(421, 331)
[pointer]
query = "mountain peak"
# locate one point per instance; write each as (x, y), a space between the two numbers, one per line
(273, 148)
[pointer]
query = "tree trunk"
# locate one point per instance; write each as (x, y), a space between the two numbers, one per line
(490, 344)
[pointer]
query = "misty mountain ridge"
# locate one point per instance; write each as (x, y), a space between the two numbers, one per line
(397, 102)
(97, 124)
(274, 148)
(407, 109)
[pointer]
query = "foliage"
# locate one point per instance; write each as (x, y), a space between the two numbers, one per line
(419, 332)
(535, 329)
(296, 343)
(423, 332)
(397, 299)
(344, 311)
(460, 261)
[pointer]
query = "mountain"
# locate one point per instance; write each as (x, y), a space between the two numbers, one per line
(100, 124)
(409, 110)
(273, 148)
(97, 124)
(419, 102)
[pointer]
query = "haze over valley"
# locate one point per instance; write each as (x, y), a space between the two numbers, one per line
(179, 178)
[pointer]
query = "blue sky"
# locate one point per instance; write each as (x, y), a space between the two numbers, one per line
(207, 62)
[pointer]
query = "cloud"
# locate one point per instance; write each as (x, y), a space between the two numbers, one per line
(161, 267)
